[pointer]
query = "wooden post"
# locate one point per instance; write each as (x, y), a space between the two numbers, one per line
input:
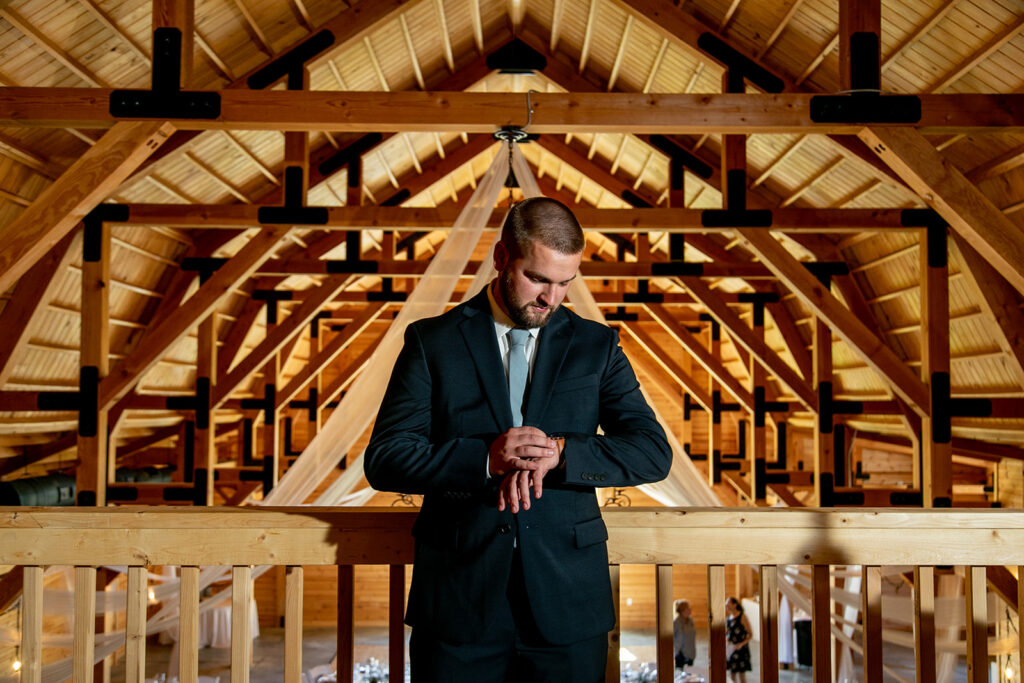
(293, 624)
(91, 475)
(871, 611)
(188, 625)
(936, 445)
(396, 625)
(769, 585)
(178, 14)
(135, 626)
(241, 625)
(665, 612)
(206, 377)
(821, 624)
(32, 625)
(758, 447)
(860, 24)
(824, 456)
(84, 638)
(977, 625)
(612, 672)
(924, 623)
(714, 418)
(346, 615)
(716, 623)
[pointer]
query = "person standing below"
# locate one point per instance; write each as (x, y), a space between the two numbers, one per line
(510, 581)
(684, 635)
(737, 636)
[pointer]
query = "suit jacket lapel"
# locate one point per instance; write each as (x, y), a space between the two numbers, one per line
(552, 346)
(477, 330)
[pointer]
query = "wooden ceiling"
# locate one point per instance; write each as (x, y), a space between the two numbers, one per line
(405, 94)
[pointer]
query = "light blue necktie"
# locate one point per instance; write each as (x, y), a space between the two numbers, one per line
(518, 369)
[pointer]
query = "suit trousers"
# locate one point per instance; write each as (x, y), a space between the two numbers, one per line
(510, 650)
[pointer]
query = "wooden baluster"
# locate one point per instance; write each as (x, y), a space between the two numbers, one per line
(135, 625)
(924, 623)
(716, 623)
(84, 639)
(769, 582)
(977, 625)
(32, 625)
(241, 625)
(293, 581)
(346, 615)
(611, 671)
(665, 611)
(821, 624)
(1020, 615)
(871, 611)
(188, 625)
(396, 626)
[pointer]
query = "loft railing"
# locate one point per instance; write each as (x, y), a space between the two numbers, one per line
(243, 538)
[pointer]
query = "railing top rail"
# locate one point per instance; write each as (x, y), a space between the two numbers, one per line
(319, 535)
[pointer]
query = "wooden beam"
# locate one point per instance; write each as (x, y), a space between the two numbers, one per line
(743, 336)
(936, 455)
(85, 184)
(1000, 302)
(94, 471)
(482, 112)
(330, 351)
(701, 355)
(185, 318)
(29, 299)
(847, 326)
(669, 364)
(681, 220)
(998, 239)
(348, 374)
(278, 337)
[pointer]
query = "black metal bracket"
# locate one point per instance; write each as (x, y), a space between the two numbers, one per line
(293, 212)
(272, 297)
(165, 99)
(85, 401)
(762, 406)
(92, 224)
(200, 403)
(291, 64)
(828, 409)
(738, 64)
(736, 214)
(310, 404)
(268, 404)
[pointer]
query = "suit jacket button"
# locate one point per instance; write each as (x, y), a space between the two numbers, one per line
(504, 529)
(602, 477)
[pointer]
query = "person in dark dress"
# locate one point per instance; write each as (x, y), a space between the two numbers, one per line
(737, 636)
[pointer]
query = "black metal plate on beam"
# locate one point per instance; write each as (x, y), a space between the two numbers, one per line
(677, 268)
(345, 266)
(865, 108)
(739, 64)
(146, 104)
(291, 61)
(728, 218)
(287, 215)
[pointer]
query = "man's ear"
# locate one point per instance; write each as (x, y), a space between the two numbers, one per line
(501, 256)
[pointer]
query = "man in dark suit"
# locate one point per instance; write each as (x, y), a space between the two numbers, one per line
(510, 581)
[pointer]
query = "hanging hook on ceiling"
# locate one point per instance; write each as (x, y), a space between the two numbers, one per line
(512, 134)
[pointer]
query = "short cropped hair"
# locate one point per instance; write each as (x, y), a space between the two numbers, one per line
(544, 220)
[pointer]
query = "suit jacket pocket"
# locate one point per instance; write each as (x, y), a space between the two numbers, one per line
(576, 383)
(590, 532)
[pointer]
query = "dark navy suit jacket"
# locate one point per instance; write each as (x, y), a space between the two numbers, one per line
(446, 402)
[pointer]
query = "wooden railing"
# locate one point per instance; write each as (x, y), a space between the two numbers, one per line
(247, 537)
